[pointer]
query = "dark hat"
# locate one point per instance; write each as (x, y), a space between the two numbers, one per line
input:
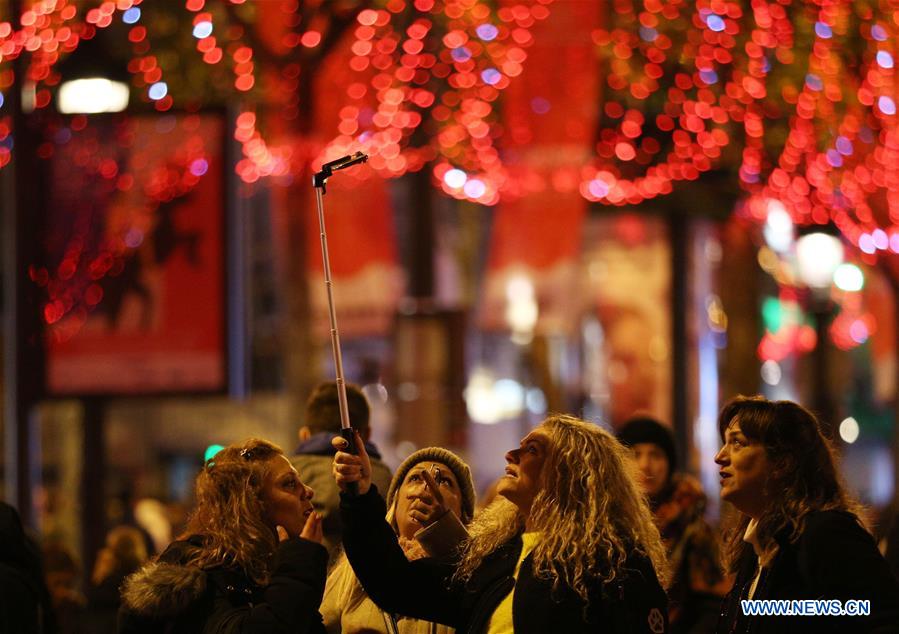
(448, 458)
(644, 429)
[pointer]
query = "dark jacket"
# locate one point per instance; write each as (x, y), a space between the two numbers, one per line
(834, 558)
(168, 596)
(103, 602)
(312, 459)
(25, 606)
(697, 580)
(423, 588)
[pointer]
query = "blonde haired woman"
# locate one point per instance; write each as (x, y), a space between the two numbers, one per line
(570, 545)
(251, 559)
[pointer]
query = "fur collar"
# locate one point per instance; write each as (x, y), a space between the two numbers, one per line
(162, 589)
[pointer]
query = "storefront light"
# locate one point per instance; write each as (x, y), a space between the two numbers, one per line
(92, 95)
(521, 308)
(778, 230)
(818, 255)
(848, 277)
(849, 430)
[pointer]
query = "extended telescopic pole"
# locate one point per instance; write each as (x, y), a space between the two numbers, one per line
(318, 182)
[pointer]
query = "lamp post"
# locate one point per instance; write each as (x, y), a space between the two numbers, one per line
(818, 254)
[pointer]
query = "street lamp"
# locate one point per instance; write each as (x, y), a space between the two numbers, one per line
(819, 252)
(92, 95)
(93, 81)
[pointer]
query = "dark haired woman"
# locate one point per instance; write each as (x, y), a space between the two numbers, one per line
(798, 534)
(251, 559)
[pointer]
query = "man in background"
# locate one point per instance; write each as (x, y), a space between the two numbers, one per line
(312, 458)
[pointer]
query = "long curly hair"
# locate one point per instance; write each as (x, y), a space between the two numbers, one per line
(589, 512)
(803, 477)
(230, 511)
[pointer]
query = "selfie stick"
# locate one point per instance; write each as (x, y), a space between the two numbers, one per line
(318, 182)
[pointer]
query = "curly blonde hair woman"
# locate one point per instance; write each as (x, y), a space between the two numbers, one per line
(250, 560)
(569, 499)
(569, 546)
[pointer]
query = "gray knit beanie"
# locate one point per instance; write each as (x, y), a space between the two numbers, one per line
(445, 457)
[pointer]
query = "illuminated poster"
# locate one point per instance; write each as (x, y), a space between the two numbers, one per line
(133, 248)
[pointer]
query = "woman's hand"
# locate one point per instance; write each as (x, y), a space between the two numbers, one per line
(347, 468)
(430, 506)
(312, 530)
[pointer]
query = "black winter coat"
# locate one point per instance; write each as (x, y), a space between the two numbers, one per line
(171, 597)
(423, 589)
(834, 558)
(25, 606)
(103, 602)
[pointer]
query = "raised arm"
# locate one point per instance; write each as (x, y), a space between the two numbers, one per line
(419, 589)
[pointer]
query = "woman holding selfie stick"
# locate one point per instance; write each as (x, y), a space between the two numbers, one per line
(569, 546)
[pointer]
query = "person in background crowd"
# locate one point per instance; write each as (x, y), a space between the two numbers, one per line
(570, 546)
(251, 559)
(125, 551)
(62, 572)
(312, 458)
(122, 511)
(151, 517)
(798, 533)
(678, 504)
(430, 500)
(25, 606)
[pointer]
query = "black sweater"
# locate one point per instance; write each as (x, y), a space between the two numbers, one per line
(834, 558)
(633, 603)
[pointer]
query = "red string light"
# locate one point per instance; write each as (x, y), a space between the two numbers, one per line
(838, 161)
(780, 88)
(668, 111)
(259, 160)
(444, 71)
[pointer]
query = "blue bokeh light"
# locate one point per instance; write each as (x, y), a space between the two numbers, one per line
(487, 32)
(158, 90)
(131, 16)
